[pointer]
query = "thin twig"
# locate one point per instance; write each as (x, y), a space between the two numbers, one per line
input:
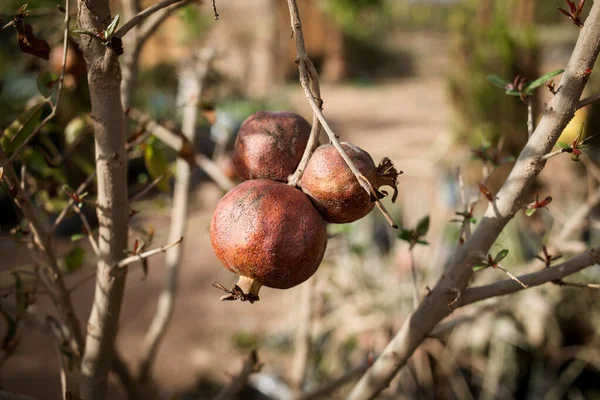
(142, 15)
(509, 286)
(595, 286)
(154, 21)
(511, 276)
(328, 389)
(588, 100)
(139, 257)
(181, 145)
(214, 5)
(552, 154)
(303, 65)
(230, 391)
(88, 230)
(65, 210)
(52, 114)
(147, 189)
(8, 25)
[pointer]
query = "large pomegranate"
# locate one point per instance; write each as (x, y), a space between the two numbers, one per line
(334, 189)
(269, 234)
(269, 145)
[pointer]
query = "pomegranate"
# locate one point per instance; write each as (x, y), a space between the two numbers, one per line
(335, 191)
(269, 234)
(269, 145)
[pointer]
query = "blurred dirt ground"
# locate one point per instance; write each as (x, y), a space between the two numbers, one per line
(392, 119)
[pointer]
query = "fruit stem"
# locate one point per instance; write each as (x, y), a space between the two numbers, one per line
(249, 286)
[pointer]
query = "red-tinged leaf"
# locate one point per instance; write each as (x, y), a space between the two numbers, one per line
(486, 192)
(588, 71)
(565, 12)
(29, 44)
(554, 258)
(545, 202)
(1, 173)
(135, 246)
(572, 6)
(540, 258)
(580, 7)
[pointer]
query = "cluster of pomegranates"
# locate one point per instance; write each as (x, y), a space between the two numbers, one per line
(273, 234)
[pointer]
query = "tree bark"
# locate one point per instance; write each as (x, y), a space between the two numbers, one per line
(104, 78)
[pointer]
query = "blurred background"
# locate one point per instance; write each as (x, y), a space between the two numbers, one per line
(404, 79)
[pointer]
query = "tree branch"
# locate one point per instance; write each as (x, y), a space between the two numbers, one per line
(139, 257)
(154, 21)
(143, 15)
(304, 66)
(509, 286)
(559, 111)
(183, 147)
(191, 84)
(588, 100)
(231, 390)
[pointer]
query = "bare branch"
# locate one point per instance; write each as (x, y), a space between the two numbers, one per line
(143, 15)
(139, 257)
(588, 100)
(154, 21)
(183, 147)
(509, 286)
(304, 65)
(191, 84)
(511, 276)
(325, 391)
(65, 210)
(231, 390)
(214, 5)
(147, 189)
(559, 111)
(88, 230)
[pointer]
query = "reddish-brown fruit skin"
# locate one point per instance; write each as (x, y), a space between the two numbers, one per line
(333, 188)
(270, 232)
(269, 145)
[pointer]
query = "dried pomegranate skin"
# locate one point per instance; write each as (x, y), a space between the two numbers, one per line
(333, 188)
(270, 232)
(269, 145)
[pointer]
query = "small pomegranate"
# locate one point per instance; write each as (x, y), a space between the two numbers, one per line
(335, 191)
(269, 145)
(269, 234)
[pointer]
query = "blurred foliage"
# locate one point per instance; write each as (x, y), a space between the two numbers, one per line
(358, 18)
(488, 42)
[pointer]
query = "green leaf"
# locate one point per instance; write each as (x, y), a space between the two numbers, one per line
(530, 211)
(497, 81)
(74, 259)
(500, 256)
(110, 29)
(423, 226)
(542, 80)
(156, 164)
(77, 236)
(423, 242)
(575, 157)
(405, 235)
(515, 93)
(84, 32)
(562, 145)
(479, 267)
(21, 128)
(45, 83)
(76, 127)
(473, 220)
